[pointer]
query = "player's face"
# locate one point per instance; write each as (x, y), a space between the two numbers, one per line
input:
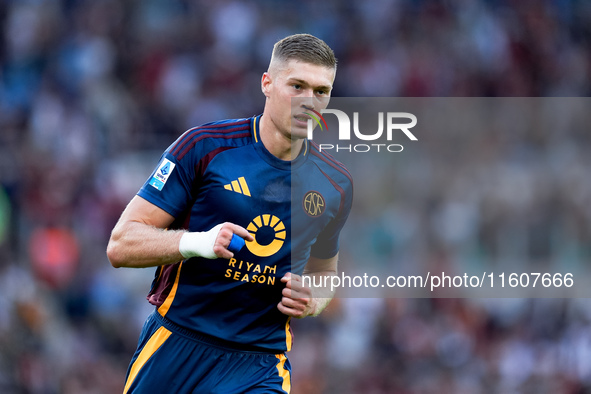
(294, 89)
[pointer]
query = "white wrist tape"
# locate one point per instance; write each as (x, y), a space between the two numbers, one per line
(199, 244)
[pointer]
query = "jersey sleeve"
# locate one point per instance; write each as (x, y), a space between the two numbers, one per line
(170, 185)
(327, 243)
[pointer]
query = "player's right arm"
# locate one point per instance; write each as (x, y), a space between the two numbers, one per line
(140, 239)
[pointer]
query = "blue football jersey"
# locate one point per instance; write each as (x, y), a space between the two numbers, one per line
(222, 172)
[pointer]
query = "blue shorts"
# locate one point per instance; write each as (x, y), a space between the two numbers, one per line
(171, 359)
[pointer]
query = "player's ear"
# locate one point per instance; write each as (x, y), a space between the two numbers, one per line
(266, 84)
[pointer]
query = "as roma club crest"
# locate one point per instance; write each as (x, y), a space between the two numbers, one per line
(314, 204)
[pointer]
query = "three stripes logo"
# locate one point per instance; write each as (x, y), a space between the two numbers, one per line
(318, 117)
(239, 186)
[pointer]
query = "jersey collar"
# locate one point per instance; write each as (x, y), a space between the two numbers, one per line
(269, 157)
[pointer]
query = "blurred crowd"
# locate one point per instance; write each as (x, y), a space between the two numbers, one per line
(91, 92)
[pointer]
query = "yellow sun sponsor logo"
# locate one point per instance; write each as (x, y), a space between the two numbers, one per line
(269, 235)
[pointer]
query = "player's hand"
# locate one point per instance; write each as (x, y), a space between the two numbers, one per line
(212, 244)
(224, 237)
(297, 300)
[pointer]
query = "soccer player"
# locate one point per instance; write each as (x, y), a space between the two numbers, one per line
(221, 319)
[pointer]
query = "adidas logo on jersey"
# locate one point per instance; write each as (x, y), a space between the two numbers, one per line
(238, 186)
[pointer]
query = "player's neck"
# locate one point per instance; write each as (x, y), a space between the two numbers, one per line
(277, 143)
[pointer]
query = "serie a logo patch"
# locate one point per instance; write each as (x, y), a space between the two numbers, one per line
(162, 173)
(313, 203)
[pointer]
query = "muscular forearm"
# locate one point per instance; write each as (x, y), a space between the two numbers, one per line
(138, 245)
(140, 238)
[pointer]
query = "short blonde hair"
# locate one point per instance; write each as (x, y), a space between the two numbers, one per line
(305, 48)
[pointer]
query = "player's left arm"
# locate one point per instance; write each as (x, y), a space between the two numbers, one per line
(300, 300)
